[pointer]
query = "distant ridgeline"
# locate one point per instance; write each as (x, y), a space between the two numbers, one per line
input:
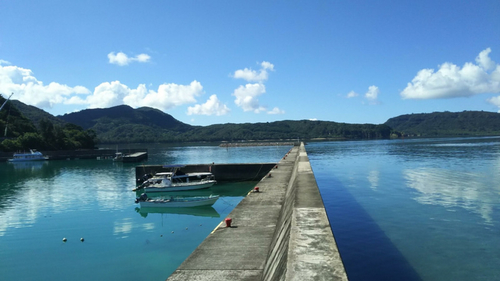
(18, 131)
(466, 123)
(123, 124)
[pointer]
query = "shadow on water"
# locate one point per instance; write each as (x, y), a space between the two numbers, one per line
(366, 251)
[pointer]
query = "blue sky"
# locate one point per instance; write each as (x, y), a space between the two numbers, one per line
(214, 62)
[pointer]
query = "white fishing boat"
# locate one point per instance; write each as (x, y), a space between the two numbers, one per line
(176, 202)
(33, 155)
(176, 180)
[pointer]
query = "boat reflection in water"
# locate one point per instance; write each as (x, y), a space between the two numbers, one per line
(28, 165)
(201, 211)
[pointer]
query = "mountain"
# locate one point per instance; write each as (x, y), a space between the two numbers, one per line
(36, 114)
(466, 123)
(13, 122)
(123, 124)
(25, 127)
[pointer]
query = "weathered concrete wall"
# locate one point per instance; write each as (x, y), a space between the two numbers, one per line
(222, 172)
(279, 233)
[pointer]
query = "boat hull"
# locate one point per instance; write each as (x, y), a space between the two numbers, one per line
(179, 203)
(179, 187)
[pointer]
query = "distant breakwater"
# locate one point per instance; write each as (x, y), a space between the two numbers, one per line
(242, 144)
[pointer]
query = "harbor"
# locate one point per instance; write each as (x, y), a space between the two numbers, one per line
(279, 231)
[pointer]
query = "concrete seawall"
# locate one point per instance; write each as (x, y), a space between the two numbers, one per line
(279, 233)
(222, 172)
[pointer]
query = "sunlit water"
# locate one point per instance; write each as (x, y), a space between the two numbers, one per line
(43, 202)
(400, 210)
(413, 209)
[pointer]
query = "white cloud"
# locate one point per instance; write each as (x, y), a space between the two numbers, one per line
(4, 62)
(213, 106)
(451, 81)
(276, 111)
(122, 59)
(29, 90)
(254, 76)
(352, 94)
(246, 97)
(372, 93)
(495, 101)
(167, 96)
(484, 60)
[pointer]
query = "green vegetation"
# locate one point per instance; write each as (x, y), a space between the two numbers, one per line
(441, 124)
(22, 134)
(123, 124)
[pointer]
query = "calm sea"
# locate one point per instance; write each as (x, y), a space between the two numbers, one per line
(425, 209)
(422, 209)
(43, 202)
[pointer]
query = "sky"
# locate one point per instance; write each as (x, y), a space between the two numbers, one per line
(216, 62)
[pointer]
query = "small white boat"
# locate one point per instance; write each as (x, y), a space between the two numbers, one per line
(177, 181)
(176, 202)
(33, 155)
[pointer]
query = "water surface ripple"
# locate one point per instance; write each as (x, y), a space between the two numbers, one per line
(413, 209)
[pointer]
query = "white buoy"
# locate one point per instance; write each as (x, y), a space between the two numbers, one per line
(64, 239)
(172, 232)
(81, 239)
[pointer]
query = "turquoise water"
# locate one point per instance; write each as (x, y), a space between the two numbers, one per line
(42, 203)
(424, 209)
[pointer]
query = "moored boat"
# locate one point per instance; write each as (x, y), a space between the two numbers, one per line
(33, 155)
(177, 180)
(176, 202)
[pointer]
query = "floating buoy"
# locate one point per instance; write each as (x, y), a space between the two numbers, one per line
(81, 239)
(172, 232)
(186, 228)
(228, 222)
(64, 239)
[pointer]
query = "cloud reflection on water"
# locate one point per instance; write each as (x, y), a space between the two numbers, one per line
(452, 189)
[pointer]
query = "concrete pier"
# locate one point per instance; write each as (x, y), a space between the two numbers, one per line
(279, 233)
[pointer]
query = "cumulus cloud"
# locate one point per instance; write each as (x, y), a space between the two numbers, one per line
(276, 111)
(451, 81)
(372, 93)
(255, 76)
(246, 97)
(213, 106)
(352, 94)
(167, 96)
(122, 59)
(495, 101)
(28, 89)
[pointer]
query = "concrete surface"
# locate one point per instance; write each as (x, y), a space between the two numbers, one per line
(280, 233)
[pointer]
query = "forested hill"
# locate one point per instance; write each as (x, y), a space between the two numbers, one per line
(466, 123)
(123, 124)
(24, 127)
